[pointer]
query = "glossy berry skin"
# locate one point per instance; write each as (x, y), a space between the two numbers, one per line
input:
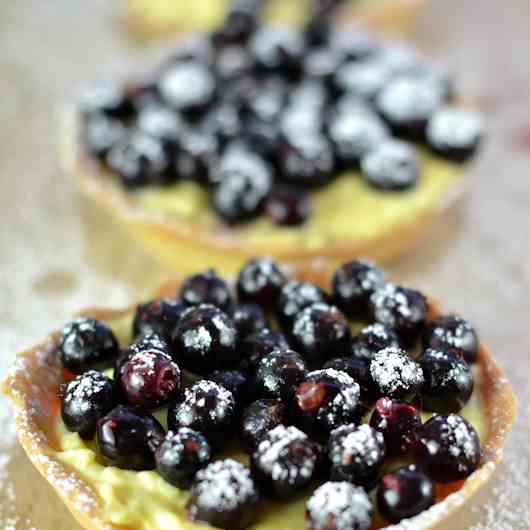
(139, 159)
(326, 399)
(404, 494)
(285, 462)
(392, 166)
(454, 334)
(248, 319)
(288, 207)
(352, 285)
(205, 339)
(339, 506)
(223, 495)
(296, 296)
(127, 437)
(205, 407)
(85, 343)
(223, 122)
(198, 152)
(448, 448)
(146, 341)
(372, 339)
(448, 381)
(398, 422)
(206, 288)
(181, 455)
(407, 103)
(158, 317)
(85, 400)
(260, 282)
(403, 309)
(240, 23)
(259, 345)
(395, 374)
(162, 123)
(187, 87)
(258, 419)
(306, 159)
(321, 332)
(101, 134)
(358, 368)
(236, 382)
(104, 97)
(455, 133)
(149, 379)
(278, 375)
(357, 454)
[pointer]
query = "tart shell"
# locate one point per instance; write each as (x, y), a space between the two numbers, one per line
(390, 16)
(184, 246)
(34, 380)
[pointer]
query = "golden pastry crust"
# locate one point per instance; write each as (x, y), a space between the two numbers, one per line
(34, 380)
(185, 246)
(389, 16)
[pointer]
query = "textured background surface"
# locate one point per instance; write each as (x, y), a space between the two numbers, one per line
(58, 254)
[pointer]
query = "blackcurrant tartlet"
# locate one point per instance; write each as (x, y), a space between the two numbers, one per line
(165, 414)
(261, 138)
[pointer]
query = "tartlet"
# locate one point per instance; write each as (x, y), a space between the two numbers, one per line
(104, 497)
(321, 143)
(158, 18)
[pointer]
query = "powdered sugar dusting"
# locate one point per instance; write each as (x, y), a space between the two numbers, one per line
(363, 445)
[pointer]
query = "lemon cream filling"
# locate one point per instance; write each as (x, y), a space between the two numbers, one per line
(145, 501)
(346, 210)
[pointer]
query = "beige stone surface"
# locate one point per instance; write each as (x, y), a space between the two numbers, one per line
(57, 253)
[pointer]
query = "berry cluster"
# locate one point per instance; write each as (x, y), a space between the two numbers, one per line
(259, 115)
(296, 395)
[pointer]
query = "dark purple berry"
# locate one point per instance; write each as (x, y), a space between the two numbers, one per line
(258, 419)
(294, 297)
(248, 319)
(146, 341)
(139, 159)
(85, 343)
(198, 153)
(187, 87)
(407, 104)
(357, 455)
(403, 309)
(278, 375)
(285, 462)
(365, 78)
(264, 138)
(162, 123)
(372, 339)
(237, 382)
(267, 101)
(181, 455)
(352, 285)
(104, 97)
(448, 448)
(223, 122)
(393, 165)
(398, 422)
(448, 381)
(339, 506)
(85, 400)
(233, 63)
(322, 63)
(306, 159)
(404, 494)
(240, 23)
(454, 133)
(205, 339)
(395, 374)
(149, 379)
(127, 437)
(326, 399)
(454, 334)
(278, 49)
(158, 317)
(353, 46)
(301, 127)
(288, 207)
(321, 332)
(223, 496)
(101, 134)
(358, 368)
(205, 407)
(206, 288)
(258, 345)
(260, 282)
(354, 135)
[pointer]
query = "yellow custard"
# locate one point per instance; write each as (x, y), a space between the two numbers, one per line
(346, 210)
(145, 501)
